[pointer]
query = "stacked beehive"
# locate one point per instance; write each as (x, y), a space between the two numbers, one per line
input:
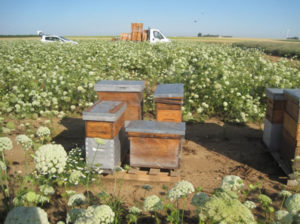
(282, 128)
(153, 144)
(103, 122)
(168, 99)
(290, 148)
(118, 101)
(274, 118)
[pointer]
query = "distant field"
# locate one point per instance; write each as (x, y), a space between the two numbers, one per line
(275, 47)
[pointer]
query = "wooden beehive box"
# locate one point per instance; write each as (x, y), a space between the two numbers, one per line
(168, 99)
(130, 92)
(155, 144)
(272, 135)
(104, 119)
(290, 149)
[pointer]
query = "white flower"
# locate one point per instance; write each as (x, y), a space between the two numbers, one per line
(76, 199)
(102, 214)
(22, 215)
(152, 203)
(225, 104)
(50, 159)
(73, 214)
(285, 193)
(199, 199)
(2, 166)
(75, 176)
(181, 189)
(250, 204)
(283, 217)
(292, 203)
(232, 183)
(135, 210)
(5, 144)
(43, 132)
(24, 141)
(47, 190)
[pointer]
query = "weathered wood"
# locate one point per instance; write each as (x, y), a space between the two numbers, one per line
(170, 100)
(153, 135)
(293, 110)
(275, 111)
(275, 104)
(167, 106)
(154, 152)
(169, 115)
(287, 152)
(154, 171)
(291, 126)
(103, 129)
(128, 97)
(143, 176)
(134, 110)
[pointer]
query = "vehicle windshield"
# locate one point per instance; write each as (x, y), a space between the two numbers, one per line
(64, 38)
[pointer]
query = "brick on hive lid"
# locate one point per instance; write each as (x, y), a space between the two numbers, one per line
(155, 144)
(128, 91)
(104, 119)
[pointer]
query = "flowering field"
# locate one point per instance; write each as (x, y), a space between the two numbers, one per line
(54, 80)
(220, 80)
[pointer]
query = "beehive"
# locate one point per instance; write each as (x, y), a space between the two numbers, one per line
(106, 155)
(130, 92)
(290, 148)
(168, 99)
(155, 144)
(274, 118)
(104, 120)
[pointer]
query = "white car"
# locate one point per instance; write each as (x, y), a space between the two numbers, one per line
(50, 38)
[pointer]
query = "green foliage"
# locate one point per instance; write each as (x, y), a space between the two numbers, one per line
(224, 207)
(220, 80)
(284, 49)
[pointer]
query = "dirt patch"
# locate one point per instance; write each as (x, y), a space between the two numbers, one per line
(210, 151)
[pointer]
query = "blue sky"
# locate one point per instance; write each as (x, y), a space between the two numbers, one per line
(239, 18)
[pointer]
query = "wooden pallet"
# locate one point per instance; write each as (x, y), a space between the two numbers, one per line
(147, 175)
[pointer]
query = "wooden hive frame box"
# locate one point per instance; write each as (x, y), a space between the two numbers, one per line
(155, 144)
(273, 123)
(127, 91)
(290, 149)
(105, 120)
(168, 99)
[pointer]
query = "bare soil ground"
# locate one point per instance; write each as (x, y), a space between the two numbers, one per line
(211, 150)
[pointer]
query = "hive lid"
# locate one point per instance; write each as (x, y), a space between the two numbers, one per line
(275, 94)
(169, 90)
(120, 86)
(294, 94)
(104, 111)
(155, 127)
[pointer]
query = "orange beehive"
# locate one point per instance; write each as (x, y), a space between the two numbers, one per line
(104, 119)
(290, 148)
(127, 91)
(155, 144)
(168, 99)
